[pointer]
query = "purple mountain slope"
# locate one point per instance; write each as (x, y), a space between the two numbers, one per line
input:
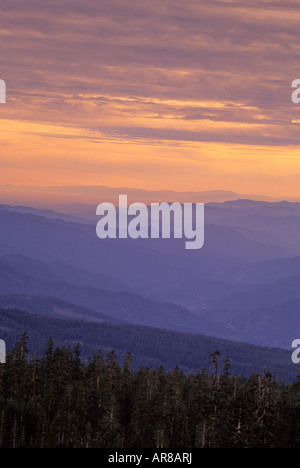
(248, 269)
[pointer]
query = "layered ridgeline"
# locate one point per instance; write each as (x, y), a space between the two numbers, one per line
(242, 285)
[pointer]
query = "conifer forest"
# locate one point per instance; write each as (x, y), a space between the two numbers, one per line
(59, 400)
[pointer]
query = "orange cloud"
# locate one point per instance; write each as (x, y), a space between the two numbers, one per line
(160, 95)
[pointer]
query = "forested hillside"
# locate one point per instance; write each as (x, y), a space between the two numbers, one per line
(59, 401)
(150, 346)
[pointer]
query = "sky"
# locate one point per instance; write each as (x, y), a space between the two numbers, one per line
(152, 94)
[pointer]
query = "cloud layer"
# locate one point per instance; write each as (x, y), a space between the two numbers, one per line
(134, 91)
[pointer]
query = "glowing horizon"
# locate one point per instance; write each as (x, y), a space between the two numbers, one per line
(152, 96)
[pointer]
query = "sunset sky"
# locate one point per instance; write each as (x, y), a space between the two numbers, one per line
(156, 94)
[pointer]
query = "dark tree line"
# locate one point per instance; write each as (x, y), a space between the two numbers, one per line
(59, 401)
